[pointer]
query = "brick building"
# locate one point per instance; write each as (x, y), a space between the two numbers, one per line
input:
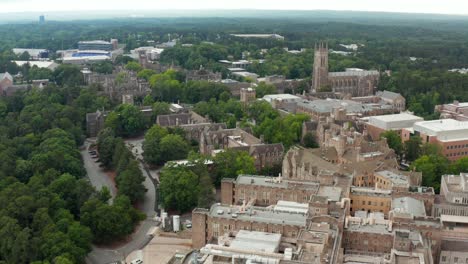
(401, 123)
(451, 135)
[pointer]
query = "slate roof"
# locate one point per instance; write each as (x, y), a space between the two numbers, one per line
(388, 95)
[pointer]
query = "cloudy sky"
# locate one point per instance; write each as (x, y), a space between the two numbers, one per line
(412, 6)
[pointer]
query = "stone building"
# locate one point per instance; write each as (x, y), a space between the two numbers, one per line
(344, 109)
(95, 122)
(455, 110)
(117, 84)
(203, 74)
(6, 80)
(193, 132)
(265, 155)
(128, 99)
(370, 200)
(395, 100)
(355, 82)
(454, 252)
(219, 220)
(179, 119)
(453, 198)
(247, 95)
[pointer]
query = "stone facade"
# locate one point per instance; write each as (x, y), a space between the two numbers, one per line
(247, 95)
(265, 155)
(455, 110)
(203, 74)
(355, 82)
(6, 80)
(117, 84)
(453, 198)
(95, 122)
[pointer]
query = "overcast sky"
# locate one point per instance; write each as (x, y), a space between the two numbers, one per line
(412, 6)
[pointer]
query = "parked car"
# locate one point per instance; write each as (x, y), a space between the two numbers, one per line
(137, 261)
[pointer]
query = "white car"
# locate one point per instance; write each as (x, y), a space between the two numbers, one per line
(137, 261)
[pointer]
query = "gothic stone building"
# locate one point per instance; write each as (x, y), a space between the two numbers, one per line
(265, 155)
(355, 82)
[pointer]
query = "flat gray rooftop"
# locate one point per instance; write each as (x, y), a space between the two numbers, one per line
(258, 214)
(256, 241)
(395, 178)
(274, 182)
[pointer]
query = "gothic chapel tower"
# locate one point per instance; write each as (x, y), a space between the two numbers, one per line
(320, 74)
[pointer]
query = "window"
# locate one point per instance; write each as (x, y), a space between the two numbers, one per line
(369, 203)
(455, 259)
(363, 202)
(444, 258)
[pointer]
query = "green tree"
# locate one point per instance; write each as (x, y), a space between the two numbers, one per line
(179, 188)
(173, 147)
(104, 67)
(146, 74)
(459, 166)
(151, 145)
(126, 120)
(231, 163)
(130, 182)
(393, 141)
(160, 108)
(309, 140)
(413, 148)
(263, 89)
(432, 168)
(106, 146)
(133, 66)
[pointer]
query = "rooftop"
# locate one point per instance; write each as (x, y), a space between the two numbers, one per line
(257, 214)
(370, 191)
(292, 207)
(369, 228)
(40, 64)
(395, 178)
(289, 97)
(256, 241)
(409, 205)
(275, 182)
(388, 95)
(327, 106)
(94, 42)
(32, 52)
(456, 183)
(396, 121)
(353, 72)
(332, 193)
(444, 129)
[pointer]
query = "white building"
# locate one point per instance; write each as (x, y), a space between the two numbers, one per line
(40, 64)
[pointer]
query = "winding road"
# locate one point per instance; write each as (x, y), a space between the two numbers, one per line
(140, 237)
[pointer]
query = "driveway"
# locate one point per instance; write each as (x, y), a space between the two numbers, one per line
(97, 176)
(140, 238)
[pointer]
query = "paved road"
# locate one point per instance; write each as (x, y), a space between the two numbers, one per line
(96, 174)
(138, 239)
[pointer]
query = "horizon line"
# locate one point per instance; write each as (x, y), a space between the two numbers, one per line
(228, 9)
